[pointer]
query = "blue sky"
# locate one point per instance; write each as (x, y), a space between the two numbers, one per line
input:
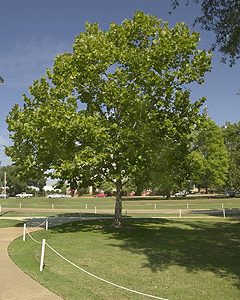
(34, 32)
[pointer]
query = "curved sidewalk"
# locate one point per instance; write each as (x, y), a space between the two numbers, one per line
(14, 283)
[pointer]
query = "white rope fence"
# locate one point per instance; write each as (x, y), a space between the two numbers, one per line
(81, 269)
(32, 237)
(116, 285)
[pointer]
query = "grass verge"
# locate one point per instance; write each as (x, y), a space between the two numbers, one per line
(172, 259)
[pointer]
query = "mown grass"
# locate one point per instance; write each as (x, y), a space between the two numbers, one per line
(10, 223)
(172, 259)
(147, 203)
(132, 207)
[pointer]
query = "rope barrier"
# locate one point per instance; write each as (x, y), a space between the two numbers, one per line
(43, 222)
(99, 278)
(81, 269)
(32, 237)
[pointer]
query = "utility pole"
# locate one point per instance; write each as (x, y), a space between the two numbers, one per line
(5, 182)
(5, 185)
(2, 81)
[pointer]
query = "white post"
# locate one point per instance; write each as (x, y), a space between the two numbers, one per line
(20, 205)
(224, 213)
(95, 210)
(187, 205)
(222, 205)
(155, 206)
(52, 206)
(47, 225)
(86, 206)
(42, 255)
(180, 214)
(24, 231)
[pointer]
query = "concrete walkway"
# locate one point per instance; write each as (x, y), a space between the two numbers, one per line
(14, 283)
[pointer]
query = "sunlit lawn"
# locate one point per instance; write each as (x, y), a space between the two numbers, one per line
(172, 259)
(128, 203)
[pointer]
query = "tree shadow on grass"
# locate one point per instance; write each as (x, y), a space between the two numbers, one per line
(195, 245)
(229, 212)
(2, 214)
(199, 245)
(64, 218)
(84, 215)
(10, 223)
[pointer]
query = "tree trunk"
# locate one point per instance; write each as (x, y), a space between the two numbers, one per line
(199, 188)
(138, 191)
(168, 194)
(117, 222)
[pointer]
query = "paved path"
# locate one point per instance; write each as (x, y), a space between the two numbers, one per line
(14, 283)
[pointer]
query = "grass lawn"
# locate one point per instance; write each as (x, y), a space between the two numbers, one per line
(203, 206)
(172, 259)
(108, 203)
(10, 223)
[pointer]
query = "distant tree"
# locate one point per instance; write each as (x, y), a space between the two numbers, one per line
(231, 134)
(107, 187)
(223, 18)
(209, 157)
(132, 81)
(16, 184)
(171, 165)
(129, 187)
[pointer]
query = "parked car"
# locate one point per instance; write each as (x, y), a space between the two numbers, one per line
(3, 195)
(24, 195)
(181, 194)
(54, 196)
(66, 196)
(231, 193)
(100, 195)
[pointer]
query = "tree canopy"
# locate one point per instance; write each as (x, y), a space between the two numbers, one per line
(231, 134)
(223, 18)
(170, 165)
(209, 157)
(102, 111)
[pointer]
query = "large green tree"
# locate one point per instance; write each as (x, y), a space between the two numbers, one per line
(209, 157)
(132, 82)
(231, 134)
(223, 18)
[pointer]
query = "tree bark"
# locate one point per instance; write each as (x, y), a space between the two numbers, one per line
(199, 188)
(168, 194)
(117, 222)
